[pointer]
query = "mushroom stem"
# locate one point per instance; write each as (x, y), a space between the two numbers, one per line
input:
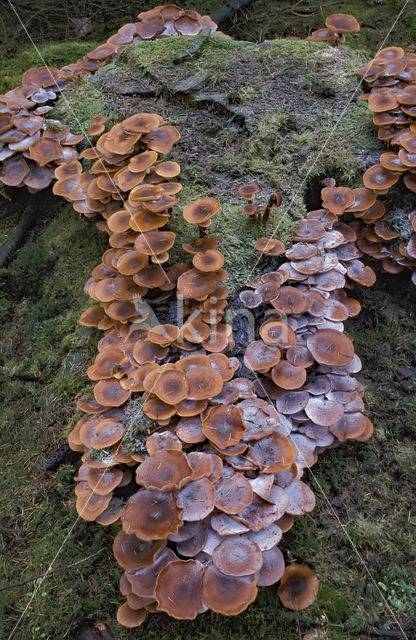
(203, 233)
(273, 202)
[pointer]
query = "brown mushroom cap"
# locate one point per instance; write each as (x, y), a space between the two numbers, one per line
(337, 199)
(233, 494)
(379, 178)
(273, 453)
(277, 333)
(210, 260)
(204, 382)
(154, 242)
(151, 515)
(270, 247)
(45, 150)
(298, 588)
(197, 499)
(171, 386)
(164, 470)
(109, 393)
(224, 426)
(342, 23)
(331, 347)
(162, 139)
(288, 376)
(228, 595)
(133, 554)
(129, 617)
(237, 556)
(260, 356)
(248, 191)
(201, 210)
(272, 569)
(178, 589)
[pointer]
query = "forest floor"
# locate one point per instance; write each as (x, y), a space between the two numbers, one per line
(360, 537)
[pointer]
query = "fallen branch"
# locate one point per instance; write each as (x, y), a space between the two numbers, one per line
(14, 240)
(49, 573)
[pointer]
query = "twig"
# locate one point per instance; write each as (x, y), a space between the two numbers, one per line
(49, 573)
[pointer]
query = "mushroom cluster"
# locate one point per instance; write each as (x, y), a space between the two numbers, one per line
(391, 77)
(32, 146)
(303, 359)
(256, 212)
(336, 26)
(196, 466)
(159, 22)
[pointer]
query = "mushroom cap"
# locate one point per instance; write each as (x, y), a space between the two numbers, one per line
(201, 210)
(342, 23)
(337, 199)
(298, 587)
(277, 333)
(164, 470)
(290, 300)
(133, 554)
(204, 383)
(151, 515)
(129, 617)
(237, 556)
(109, 393)
(154, 242)
(272, 569)
(272, 453)
(197, 499)
(270, 247)
(260, 356)
(178, 589)
(14, 171)
(162, 139)
(248, 191)
(224, 426)
(233, 494)
(142, 123)
(45, 150)
(331, 347)
(210, 260)
(171, 386)
(288, 376)
(196, 284)
(163, 334)
(228, 595)
(379, 178)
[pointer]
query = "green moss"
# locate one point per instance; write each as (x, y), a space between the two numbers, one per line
(79, 105)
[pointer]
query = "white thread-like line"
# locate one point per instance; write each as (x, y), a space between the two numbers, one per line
(61, 92)
(343, 112)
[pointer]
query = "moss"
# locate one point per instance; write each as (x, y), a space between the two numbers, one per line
(78, 106)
